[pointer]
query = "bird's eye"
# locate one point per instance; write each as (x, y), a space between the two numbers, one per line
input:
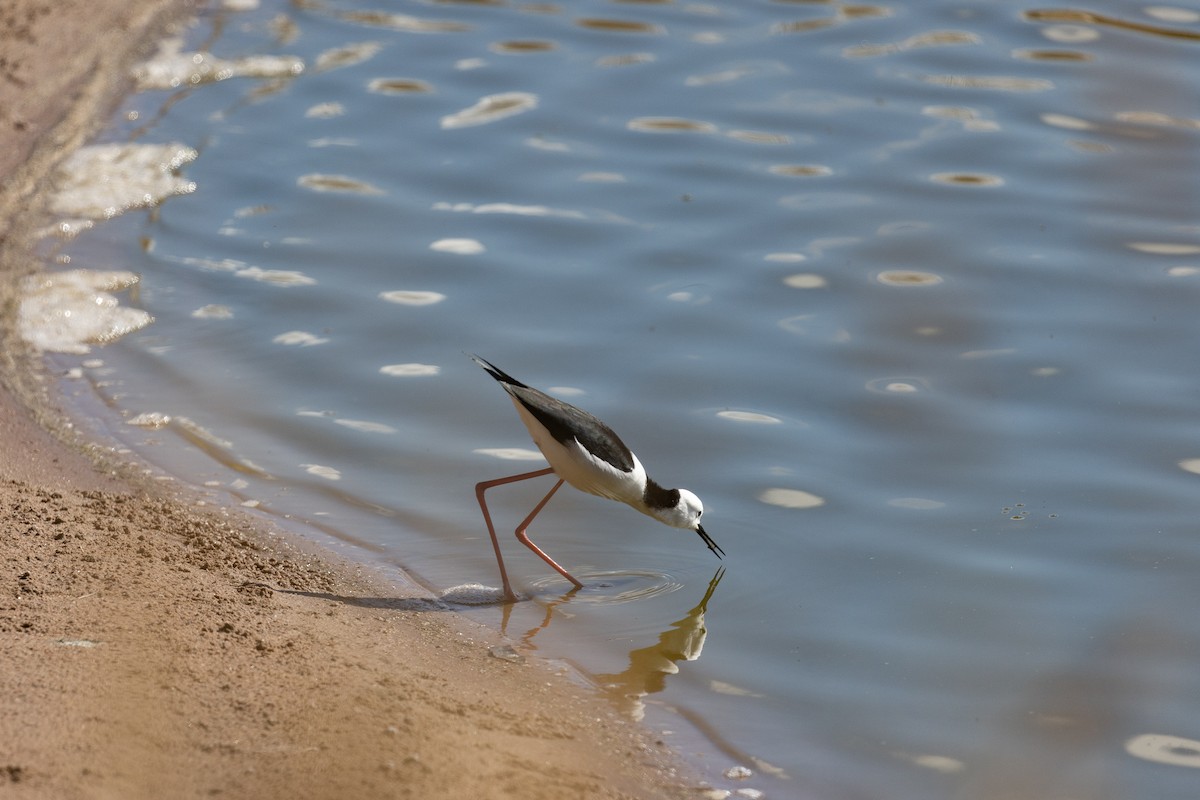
(699, 514)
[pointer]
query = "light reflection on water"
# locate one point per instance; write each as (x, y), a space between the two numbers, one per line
(906, 293)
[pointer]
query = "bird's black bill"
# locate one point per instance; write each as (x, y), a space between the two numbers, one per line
(716, 548)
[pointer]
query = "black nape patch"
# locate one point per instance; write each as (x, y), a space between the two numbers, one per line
(656, 496)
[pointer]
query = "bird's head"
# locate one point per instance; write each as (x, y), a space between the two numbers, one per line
(684, 513)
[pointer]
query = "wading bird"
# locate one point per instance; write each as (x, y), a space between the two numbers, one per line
(587, 454)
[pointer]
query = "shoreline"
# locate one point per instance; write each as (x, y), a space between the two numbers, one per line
(142, 653)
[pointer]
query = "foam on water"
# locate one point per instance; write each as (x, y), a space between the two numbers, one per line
(68, 312)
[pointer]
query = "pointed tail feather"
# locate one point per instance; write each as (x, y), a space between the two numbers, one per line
(497, 373)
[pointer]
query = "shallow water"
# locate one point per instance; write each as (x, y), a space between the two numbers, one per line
(905, 292)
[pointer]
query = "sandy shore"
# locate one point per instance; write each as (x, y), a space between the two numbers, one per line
(140, 655)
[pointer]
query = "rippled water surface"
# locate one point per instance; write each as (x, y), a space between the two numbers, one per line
(906, 292)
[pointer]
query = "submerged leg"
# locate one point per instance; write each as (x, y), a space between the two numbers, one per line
(482, 487)
(524, 537)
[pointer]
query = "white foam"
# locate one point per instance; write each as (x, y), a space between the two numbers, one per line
(66, 312)
(171, 68)
(322, 471)
(473, 594)
(104, 180)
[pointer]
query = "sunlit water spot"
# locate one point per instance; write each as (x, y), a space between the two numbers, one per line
(897, 385)
(724, 76)
(322, 471)
(1083, 146)
(325, 111)
(337, 183)
(1164, 748)
(365, 426)
(1070, 34)
(814, 200)
(299, 339)
(785, 258)
(749, 416)
(522, 46)
(277, 277)
(511, 453)
(462, 247)
(942, 764)
(1183, 271)
(995, 352)
(669, 125)
(347, 56)
(1052, 55)
(403, 22)
(929, 39)
(1190, 465)
(566, 391)
(1184, 16)
(601, 177)
(805, 280)
(408, 297)
(1000, 83)
(1105, 20)
(916, 503)
(966, 179)
(399, 86)
(800, 170)
(790, 498)
(547, 145)
(908, 277)
(971, 119)
(723, 687)
(625, 60)
(759, 137)
(332, 141)
(412, 370)
(213, 311)
(684, 296)
(492, 108)
(510, 208)
(1067, 122)
(619, 26)
(1044, 372)
(1157, 119)
(1165, 248)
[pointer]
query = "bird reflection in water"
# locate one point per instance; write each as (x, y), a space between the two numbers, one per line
(649, 666)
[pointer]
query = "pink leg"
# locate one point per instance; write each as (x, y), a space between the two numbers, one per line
(482, 487)
(524, 537)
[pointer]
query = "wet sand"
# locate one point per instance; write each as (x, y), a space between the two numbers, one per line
(142, 654)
